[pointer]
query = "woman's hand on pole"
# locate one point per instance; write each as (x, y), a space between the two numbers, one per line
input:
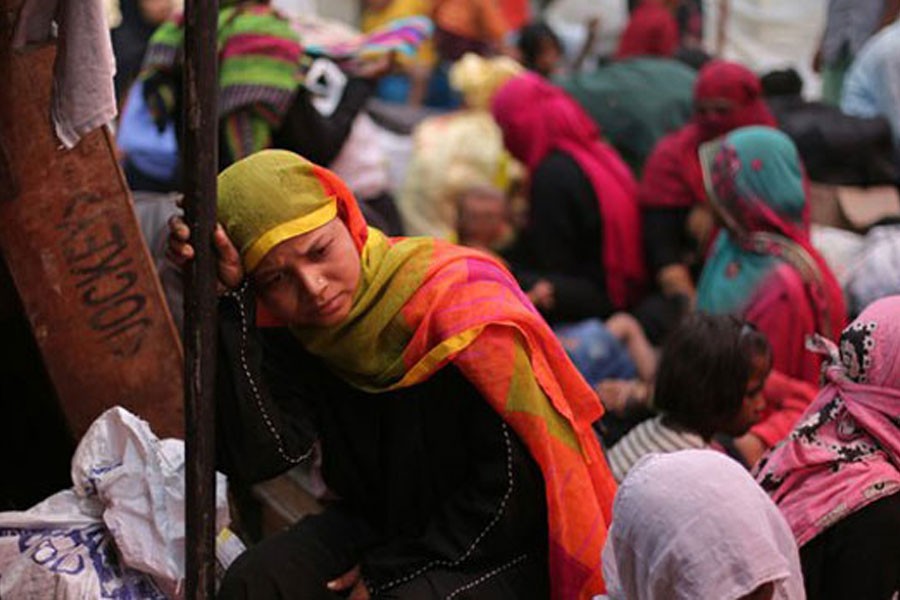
(180, 252)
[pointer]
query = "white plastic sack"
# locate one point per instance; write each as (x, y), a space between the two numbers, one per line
(125, 514)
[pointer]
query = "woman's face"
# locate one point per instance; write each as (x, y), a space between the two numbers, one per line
(754, 403)
(714, 116)
(309, 280)
(549, 57)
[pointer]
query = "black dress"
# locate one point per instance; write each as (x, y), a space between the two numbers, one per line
(563, 241)
(438, 497)
(858, 557)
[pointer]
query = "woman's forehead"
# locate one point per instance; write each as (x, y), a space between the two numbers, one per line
(299, 245)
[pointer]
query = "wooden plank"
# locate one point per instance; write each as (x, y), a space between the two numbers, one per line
(75, 252)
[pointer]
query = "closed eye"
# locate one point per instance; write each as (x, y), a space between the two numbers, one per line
(319, 252)
(271, 279)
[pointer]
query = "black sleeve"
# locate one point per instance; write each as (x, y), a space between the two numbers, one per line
(493, 517)
(665, 236)
(314, 136)
(563, 242)
(263, 424)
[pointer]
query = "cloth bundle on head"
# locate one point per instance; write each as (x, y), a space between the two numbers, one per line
(672, 176)
(537, 118)
(259, 63)
(446, 162)
(401, 36)
(757, 187)
(478, 78)
(423, 303)
(845, 452)
(693, 524)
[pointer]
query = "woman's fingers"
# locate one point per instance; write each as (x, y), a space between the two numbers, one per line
(345, 581)
(180, 251)
(231, 272)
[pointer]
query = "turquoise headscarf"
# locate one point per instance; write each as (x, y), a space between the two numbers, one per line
(756, 185)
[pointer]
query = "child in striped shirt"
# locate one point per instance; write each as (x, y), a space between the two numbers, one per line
(710, 380)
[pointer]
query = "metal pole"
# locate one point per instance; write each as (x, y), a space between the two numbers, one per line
(200, 167)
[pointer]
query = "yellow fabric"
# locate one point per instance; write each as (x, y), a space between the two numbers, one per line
(268, 197)
(478, 78)
(366, 349)
(285, 231)
(445, 163)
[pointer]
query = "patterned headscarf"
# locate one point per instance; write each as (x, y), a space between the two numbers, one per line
(757, 187)
(845, 452)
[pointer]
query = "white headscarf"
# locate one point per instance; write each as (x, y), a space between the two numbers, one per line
(693, 524)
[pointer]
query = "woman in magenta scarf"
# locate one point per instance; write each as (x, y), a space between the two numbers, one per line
(836, 479)
(583, 239)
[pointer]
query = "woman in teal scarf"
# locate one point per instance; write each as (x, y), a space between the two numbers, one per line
(762, 266)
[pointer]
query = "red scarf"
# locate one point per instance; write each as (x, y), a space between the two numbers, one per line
(651, 31)
(672, 176)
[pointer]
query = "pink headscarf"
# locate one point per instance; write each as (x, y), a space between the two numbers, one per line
(537, 118)
(845, 453)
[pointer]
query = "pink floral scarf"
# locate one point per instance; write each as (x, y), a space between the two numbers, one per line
(845, 452)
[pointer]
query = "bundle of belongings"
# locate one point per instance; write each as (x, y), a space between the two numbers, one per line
(119, 532)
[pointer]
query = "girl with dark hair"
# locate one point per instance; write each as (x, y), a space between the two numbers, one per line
(710, 380)
(540, 49)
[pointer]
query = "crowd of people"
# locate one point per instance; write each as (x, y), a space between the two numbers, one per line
(543, 293)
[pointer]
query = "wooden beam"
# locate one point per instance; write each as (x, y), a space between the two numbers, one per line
(75, 252)
(200, 167)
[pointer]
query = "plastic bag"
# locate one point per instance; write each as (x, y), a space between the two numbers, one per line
(119, 533)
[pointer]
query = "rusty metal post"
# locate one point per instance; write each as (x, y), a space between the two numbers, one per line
(200, 167)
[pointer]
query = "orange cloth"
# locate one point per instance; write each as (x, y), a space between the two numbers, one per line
(479, 20)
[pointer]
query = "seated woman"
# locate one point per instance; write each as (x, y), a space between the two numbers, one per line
(693, 524)
(837, 478)
(445, 409)
(711, 377)
(582, 239)
(672, 196)
(762, 266)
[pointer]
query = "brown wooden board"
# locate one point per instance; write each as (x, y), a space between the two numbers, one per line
(80, 266)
